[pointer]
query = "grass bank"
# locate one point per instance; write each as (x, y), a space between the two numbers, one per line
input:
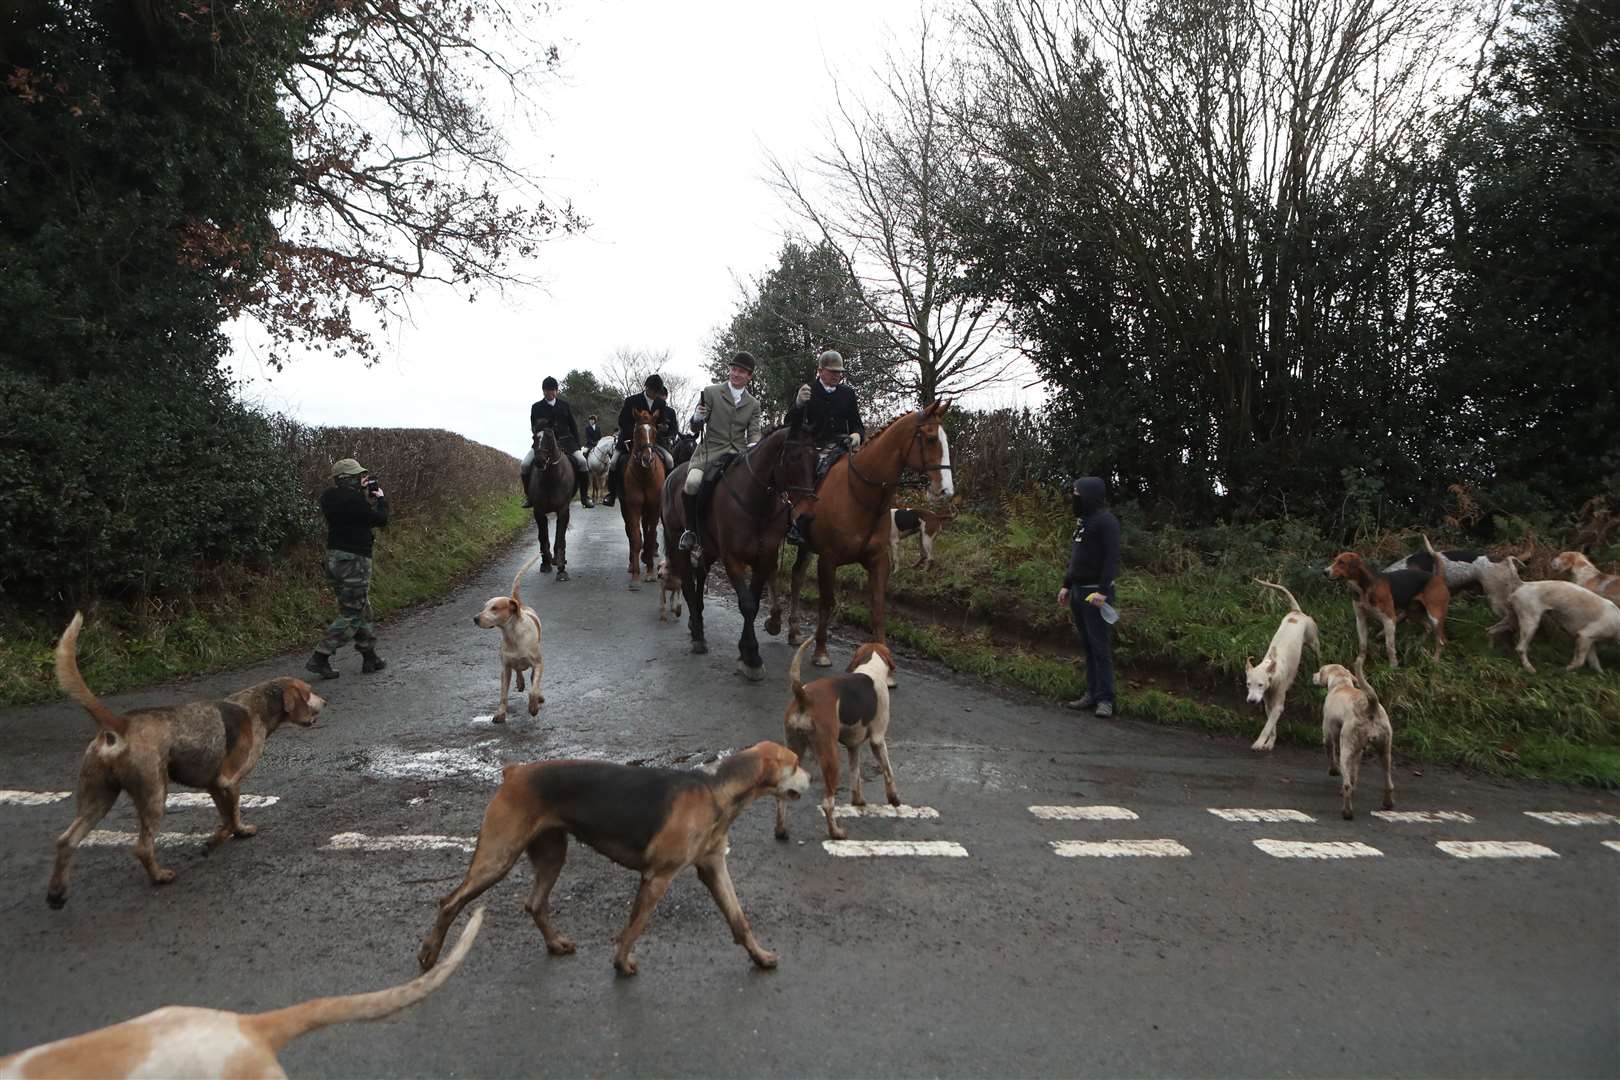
(1190, 614)
(246, 616)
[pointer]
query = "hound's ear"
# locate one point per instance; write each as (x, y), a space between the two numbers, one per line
(291, 697)
(1248, 663)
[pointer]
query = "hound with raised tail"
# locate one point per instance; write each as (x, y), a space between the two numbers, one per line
(1353, 720)
(204, 744)
(1270, 679)
(183, 1041)
(520, 642)
(656, 822)
(845, 710)
(1391, 596)
(1587, 576)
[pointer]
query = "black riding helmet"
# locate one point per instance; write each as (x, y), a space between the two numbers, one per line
(549, 384)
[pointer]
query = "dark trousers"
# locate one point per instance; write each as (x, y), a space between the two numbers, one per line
(1097, 639)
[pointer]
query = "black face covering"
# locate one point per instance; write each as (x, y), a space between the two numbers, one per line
(1075, 506)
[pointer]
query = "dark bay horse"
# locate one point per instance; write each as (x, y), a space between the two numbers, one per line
(551, 489)
(747, 518)
(851, 522)
(643, 485)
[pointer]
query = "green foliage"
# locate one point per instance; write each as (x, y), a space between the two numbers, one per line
(587, 396)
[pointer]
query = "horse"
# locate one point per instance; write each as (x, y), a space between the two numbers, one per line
(747, 517)
(600, 460)
(551, 490)
(851, 523)
(638, 504)
(685, 444)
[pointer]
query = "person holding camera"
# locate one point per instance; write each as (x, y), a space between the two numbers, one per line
(1088, 590)
(353, 506)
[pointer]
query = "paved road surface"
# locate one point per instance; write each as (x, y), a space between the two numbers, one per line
(1216, 958)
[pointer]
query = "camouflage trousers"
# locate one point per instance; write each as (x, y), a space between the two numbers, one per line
(350, 577)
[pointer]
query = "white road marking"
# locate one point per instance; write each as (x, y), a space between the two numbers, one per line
(1573, 817)
(115, 838)
(1612, 845)
(1113, 849)
(181, 800)
(354, 841)
(921, 813)
(1320, 849)
(1412, 816)
(854, 848)
(1495, 849)
(1083, 813)
(1261, 815)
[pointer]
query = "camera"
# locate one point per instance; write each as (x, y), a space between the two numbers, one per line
(372, 484)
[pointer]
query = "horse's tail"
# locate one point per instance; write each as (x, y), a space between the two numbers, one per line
(793, 675)
(68, 677)
(1293, 604)
(516, 581)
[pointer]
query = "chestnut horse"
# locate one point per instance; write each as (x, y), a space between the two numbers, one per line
(643, 484)
(851, 523)
(746, 519)
(551, 490)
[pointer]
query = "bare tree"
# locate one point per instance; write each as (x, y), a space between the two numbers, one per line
(878, 196)
(625, 371)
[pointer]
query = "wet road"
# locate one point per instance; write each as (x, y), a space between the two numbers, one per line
(1217, 956)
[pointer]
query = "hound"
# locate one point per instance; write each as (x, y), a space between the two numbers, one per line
(1270, 680)
(204, 744)
(1500, 580)
(1390, 597)
(1585, 614)
(1462, 567)
(925, 525)
(669, 592)
(520, 642)
(654, 821)
(848, 709)
(1352, 721)
(183, 1041)
(1586, 575)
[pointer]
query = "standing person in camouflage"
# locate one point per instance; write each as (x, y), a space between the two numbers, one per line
(353, 505)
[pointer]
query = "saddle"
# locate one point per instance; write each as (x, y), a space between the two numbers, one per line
(826, 458)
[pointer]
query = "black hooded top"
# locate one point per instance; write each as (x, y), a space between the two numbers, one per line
(1094, 550)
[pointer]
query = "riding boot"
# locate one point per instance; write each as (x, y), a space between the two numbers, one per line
(321, 664)
(689, 538)
(798, 532)
(584, 484)
(527, 505)
(370, 661)
(613, 487)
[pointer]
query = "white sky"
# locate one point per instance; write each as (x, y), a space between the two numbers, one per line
(658, 132)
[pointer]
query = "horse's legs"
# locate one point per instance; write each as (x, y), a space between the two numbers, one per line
(746, 585)
(632, 533)
(649, 546)
(773, 583)
(542, 525)
(562, 538)
(692, 577)
(799, 563)
(827, 586)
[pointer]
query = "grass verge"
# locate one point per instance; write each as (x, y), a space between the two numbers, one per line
(988, 608)
(263, 613)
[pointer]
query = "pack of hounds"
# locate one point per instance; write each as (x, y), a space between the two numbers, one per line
(658, 822)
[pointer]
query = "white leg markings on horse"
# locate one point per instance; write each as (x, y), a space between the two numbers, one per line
(1113, 849)
(1495, 849)
(1083, 813)
(860, 848)
(1320, 849)
(354, 841)
(183, 800)
(884, 810)
(1573, 817)
(1612, 845)
(116, 838)
(1411, 816)
(1240, 814)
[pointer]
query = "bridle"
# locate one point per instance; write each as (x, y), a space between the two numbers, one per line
(644, 450)
(539, 448)
(775, 482)
(883, 486)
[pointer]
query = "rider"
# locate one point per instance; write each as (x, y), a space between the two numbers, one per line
(553, 412)
(833, 416)
(654, 398)
(729, 414)
(592, 433)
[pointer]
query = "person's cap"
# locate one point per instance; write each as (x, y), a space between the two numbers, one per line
(347, 467)
(655, 382)
(831, 360)
(549, 384)
(744, 360)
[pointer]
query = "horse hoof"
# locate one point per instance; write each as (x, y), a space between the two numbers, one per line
(562, 575)
(773, 625)
(821, 659)
(648, 575)
(545, 568)
(699, 647)
(752, 674)
(794, 637)
(634, 586)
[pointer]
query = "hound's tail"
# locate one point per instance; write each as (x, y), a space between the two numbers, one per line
(1439, 558)
(69, 679)
(524, 569)
(793, 675)
(1366, 688)
(282, 1026)
(1293, 604)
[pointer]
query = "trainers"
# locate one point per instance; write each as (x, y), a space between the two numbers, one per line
(1080, 703)
(1106, 709)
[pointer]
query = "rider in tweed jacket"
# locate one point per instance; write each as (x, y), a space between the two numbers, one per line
(730, 416)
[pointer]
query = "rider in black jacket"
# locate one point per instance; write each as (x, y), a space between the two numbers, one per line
(833, 414)
(654, 398)
(553, 412)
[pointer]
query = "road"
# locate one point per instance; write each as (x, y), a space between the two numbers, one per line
(1006, 958)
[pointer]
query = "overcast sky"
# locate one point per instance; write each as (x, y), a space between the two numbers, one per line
(657, 131)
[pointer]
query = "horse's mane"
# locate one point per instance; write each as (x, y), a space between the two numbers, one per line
(907, 415)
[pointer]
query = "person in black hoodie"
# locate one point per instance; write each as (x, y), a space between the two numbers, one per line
(353, 506)
(1093, 562)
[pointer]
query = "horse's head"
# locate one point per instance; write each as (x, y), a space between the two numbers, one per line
(547, 451)
(930, 450)
(645, 438)
(795, 472)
